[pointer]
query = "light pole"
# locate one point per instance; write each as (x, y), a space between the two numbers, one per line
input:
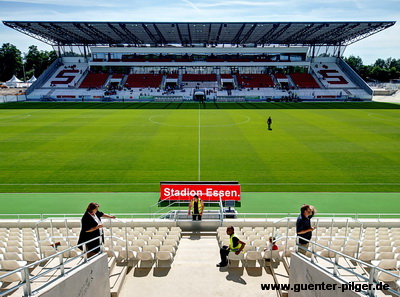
(23, 66)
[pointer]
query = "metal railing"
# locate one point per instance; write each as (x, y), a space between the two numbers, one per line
(28, 279)
(371, 281)
(262, 216)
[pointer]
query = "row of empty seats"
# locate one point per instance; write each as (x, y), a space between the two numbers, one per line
(143, 80)
(94, 80)
(255, 81)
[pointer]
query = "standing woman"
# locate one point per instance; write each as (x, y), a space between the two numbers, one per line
(92, 228)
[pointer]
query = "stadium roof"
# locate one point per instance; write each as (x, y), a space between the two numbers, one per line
(192, 33)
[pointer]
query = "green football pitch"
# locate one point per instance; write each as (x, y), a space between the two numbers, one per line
(131, 147)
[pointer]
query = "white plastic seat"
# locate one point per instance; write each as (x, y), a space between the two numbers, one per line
(396, 243)
(11, 264)
(154, 242)
(385, 249)
(178, 229)
(338, 242)
(152, 229)
(272, 255)
(263, 233)
(15, 277)
(148, 233)
(12, 256)
(130, 237)
(253, 237)
(248, 247)
(177, 233)
(384, 243)
(68, 254)
(133, 251)
(135, 233)
(30, 256)
(164, 258)
(387, 264)
(258, 229)
(368, 243)
(173, 237)
(366, 256)
(368, 249)
(144, 237)
(12, 249)
(385, 277)
(138, 242)
(167, 248)
(170, 242)
(349, 251)
(337, 248)
(150, 248)
(29, 243)
(233, 259)
(385, 255)
(244, 229)
(16, 243)
(29, 249)
(254, 257)
(140, 229)
(48, 253)
(146, 258)
(328, 254)
(258, 242)
(159, 237)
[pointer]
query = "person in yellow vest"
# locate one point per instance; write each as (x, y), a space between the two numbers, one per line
(235, 246)
(196, 207)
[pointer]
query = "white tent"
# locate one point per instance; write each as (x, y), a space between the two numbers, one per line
(14, 82)
(32, 79)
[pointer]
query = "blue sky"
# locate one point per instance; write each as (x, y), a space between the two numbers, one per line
(382, 45)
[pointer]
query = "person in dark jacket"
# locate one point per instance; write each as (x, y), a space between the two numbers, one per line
(92, 228)
(269, 123)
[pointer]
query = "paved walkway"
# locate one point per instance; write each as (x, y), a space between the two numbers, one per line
(193, 273)
(395, 98)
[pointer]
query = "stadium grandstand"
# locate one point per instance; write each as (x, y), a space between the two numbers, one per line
(138, 61)
(166, 253)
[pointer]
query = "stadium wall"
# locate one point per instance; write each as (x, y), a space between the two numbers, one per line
(302, 272)
(89, 280)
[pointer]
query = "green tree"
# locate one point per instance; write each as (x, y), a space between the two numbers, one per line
(38, 61)
(381, 63)
(355, 62)
(10, 62)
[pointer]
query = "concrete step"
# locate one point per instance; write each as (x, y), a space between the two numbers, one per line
(117, 278)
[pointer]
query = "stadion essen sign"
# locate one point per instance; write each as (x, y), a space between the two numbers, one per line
(207, 192)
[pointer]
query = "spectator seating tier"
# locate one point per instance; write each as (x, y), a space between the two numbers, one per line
(304, 80)
(255, 81)
(94, 80)
(143, 80)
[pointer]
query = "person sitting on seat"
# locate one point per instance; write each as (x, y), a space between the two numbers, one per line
(272, 245)
(235, 245)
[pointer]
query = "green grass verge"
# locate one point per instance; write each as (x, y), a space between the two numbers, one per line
(64, 203)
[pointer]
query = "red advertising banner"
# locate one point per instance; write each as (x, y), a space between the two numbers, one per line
(207, 192)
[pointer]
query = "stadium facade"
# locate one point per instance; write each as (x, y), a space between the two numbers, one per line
(232, 61)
